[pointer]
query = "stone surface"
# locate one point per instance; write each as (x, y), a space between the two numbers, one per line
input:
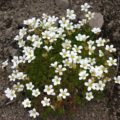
(63, 3)
(97, 21)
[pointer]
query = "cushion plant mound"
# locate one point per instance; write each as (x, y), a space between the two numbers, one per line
(61, 62)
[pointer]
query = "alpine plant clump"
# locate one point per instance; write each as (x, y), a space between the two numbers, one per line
(60, 62)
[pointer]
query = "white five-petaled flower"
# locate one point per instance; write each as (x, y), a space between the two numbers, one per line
(45, 102)
(10, 93)
(89, 96)
(81, 37)
(83, 75)
(112, 61)
(89, 84)
(97, 71)
(117, 79)
(33, 113)
(54, 64)
(89, 15)
(35, 92)
(18, 87)
(110, 48)
(85, 63)
(29, 86)
(17, 75)
(71, 14)
(77, 49)
(66, 44)
(101, 85)
(64, 93)
(100, 42)
(56, 80)
(60, 69)
(85, 7)
(96, 30)
(26, 103)
(64, 53)
(49, 90)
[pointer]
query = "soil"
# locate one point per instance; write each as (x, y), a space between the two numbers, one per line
(13, 12)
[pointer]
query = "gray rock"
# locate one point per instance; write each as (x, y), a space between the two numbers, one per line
(63, 3)
(3, 99)
(12, 51)
(97, 21)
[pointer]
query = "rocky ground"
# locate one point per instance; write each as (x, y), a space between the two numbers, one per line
(13, 12)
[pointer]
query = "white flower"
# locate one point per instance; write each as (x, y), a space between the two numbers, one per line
(81, 37)
(66, 44)
(29, 53)
(89, 96)
(90, 15)
(60, 69)
(85, 63)
(97, 71)
(82, 22)
(15, 62)
(10, 93)
(64, 22)
(22, 59)
(23, 32)
(117, 79)
(45, 102)
(112, 61)
(49, 90)
(33, 113)
(48, 48)
(21, 76)
(89, 84)
(29, 86)
(101, 54)
(72, 57)
(17, 75)
(71, 14)
(33, 38)
(18, 87)
(46, 34)
(83, 75)
(35, 92)
(37, 43)
(54, 64)
(26, 103)
(4, 64)
(92, 61)
(21, 43)
(63, 93)
(96, 30)
(67, 63)
(91, 49)
(95, 86)
(50, 35)
(77, 49)
(85, 7)
(90, 43)
(56, 80)
(64, 53)
(12, 77)
(33, 22)
(101, 85)
(110, 48)
(100, 42)
(18, 38)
